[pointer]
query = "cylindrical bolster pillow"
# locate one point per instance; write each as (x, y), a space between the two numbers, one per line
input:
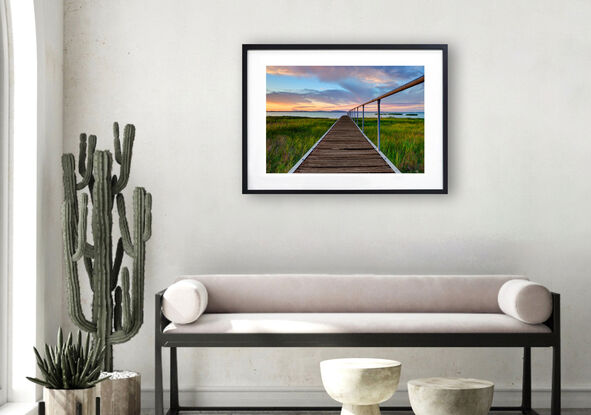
(526, 301)
(184, 301)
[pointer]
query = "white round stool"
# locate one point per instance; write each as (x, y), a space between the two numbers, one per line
(450, 396)
(360, 384)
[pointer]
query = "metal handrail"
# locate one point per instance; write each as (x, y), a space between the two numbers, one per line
(355, 110)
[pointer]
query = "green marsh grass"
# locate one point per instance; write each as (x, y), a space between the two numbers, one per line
(289, 138)
(402, 140)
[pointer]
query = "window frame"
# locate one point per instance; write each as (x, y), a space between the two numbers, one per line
(5, 168)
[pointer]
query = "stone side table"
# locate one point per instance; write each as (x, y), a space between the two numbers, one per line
(360, 384)
(450, 396)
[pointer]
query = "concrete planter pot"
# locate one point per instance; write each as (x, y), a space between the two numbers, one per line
(65, 401)
(120, 394)
(450, 396)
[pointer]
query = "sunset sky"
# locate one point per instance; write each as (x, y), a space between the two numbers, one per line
(340, 88)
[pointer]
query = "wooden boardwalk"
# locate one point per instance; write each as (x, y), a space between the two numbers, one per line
(343, 149)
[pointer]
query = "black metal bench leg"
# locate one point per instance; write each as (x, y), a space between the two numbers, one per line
(174, 380)
(526, 387)
(556, 404)
(158, 390)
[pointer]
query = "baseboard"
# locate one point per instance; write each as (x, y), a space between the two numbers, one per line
(309, 396)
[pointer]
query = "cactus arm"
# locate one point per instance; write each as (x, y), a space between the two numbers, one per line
(128, 137)
(81, 247)
(126, 299)
(117, 264)
(86, 170)
(82, 155)
(140, 203)
(127, 329)
(116, 142)
(69, 182)
(73, 284)
(124, 226)
(147, 234)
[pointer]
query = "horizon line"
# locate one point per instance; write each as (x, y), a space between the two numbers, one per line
(341, 111)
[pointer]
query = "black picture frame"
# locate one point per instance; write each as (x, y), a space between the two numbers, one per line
(246, 48)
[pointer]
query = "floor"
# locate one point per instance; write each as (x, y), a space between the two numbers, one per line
(541, 411)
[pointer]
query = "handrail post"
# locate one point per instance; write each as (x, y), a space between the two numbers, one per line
(379, 100)
(354, 112)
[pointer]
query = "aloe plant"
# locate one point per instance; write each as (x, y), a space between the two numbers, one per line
(70, 365)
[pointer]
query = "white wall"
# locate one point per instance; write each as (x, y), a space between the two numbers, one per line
(50, 58)
(49, 17)
(519, 155)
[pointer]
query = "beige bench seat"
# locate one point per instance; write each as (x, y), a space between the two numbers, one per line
(320, 310)
(356, 323)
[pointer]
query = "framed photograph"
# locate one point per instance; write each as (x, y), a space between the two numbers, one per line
(344, 119)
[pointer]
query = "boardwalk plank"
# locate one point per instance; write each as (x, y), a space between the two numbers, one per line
(334, 170)
(344, 149)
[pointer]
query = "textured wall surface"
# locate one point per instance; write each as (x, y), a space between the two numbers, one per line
(49, 20)
(519, 189)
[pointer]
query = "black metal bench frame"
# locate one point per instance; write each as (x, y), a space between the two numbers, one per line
(521, 340)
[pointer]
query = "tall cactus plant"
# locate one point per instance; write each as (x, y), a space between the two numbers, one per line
(117, 302)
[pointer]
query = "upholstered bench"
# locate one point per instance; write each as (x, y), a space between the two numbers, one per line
(357, 311)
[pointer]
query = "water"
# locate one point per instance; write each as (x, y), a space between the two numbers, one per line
(338, 114)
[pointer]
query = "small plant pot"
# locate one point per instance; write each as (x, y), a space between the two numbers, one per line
(120, 394)
(64, 401)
